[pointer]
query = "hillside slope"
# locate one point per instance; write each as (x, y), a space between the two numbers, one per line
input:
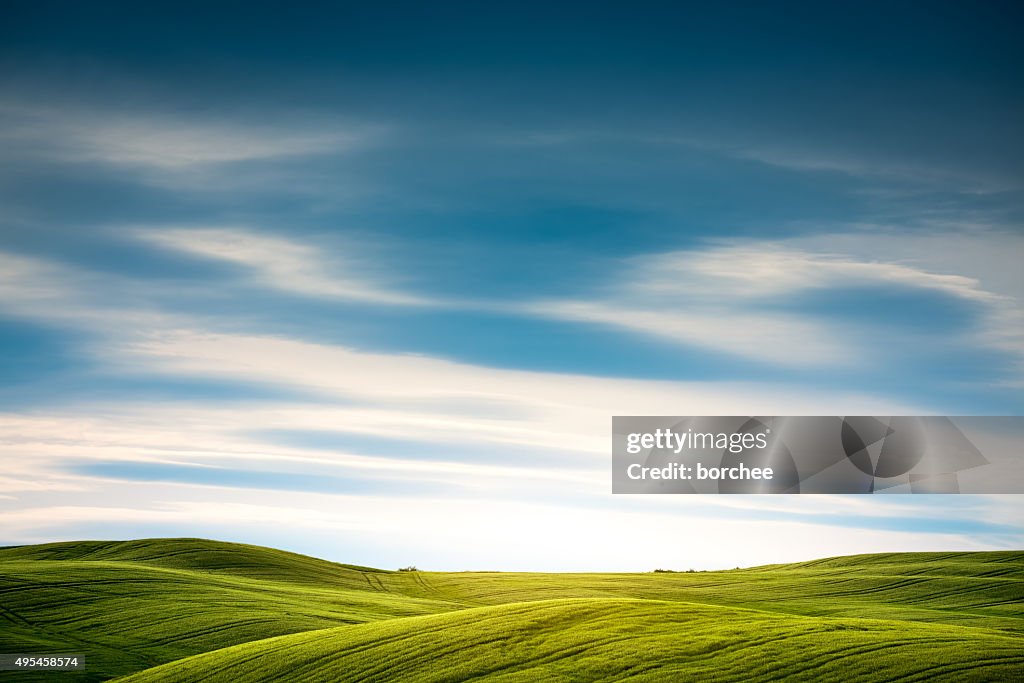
(237, 559)
(983, 589)
(134, 605)
(611, 640)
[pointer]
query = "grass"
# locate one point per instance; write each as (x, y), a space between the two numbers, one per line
(184, 609)
(609, 640)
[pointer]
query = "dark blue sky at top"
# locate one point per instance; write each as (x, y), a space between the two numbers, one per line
(661, 109)
(620, 62)
(933, 83)
(966, 38)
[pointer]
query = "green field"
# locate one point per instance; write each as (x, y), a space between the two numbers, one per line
(188, 610)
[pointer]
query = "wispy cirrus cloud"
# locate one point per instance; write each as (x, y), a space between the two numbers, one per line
(737, 297)
(778, 339)
(285, 264)
(75, 133)
(970, 262)
(876, 168)
(902, 174)
(767, 270)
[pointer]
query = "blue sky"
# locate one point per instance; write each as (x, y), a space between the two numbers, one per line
(369, 281)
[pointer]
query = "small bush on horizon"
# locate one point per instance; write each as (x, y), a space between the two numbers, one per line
(410, 568)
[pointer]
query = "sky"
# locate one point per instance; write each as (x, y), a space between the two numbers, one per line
(368, 280)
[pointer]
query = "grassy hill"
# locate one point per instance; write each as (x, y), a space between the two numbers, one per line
(254, 613)
(132, 605)
(610, 640)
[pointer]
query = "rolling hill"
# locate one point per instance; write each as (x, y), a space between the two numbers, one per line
(610, 640)
(181, 609)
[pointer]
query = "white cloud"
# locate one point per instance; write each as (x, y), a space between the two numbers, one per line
(773, 338)
(986, 267)
(284, 264)
(899, 174)
(76, 134)
(42, 290)
(907, 173)
(557, 410)
(731, 297)
(765, 270)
